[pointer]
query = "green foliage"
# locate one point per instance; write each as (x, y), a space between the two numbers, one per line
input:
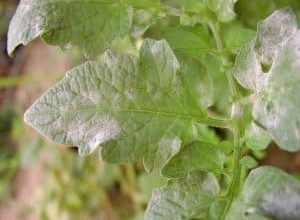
(163, 92)
(184, 198)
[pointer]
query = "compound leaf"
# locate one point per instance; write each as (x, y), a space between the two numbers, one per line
(133, 107)
(183, 199)
(91, 24)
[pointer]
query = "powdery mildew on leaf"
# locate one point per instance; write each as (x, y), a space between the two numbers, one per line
(256, 137)
(91, 24)
(283, 204)
(273, 33)
(132, 107)
(183, 198)
(269, 66)
(268, 193)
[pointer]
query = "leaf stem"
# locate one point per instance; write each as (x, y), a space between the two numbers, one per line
(233, 187)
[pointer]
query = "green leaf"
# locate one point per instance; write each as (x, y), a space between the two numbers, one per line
(91, 24)
(192, 41)
(251, 12)
(221, 92)
(248, 162)
(223, 8)
(184, 198)
(133, 107)
(147, 182)
(195, 156)
(269, 66)
(256, 137)
(235, 36)
(268, 193)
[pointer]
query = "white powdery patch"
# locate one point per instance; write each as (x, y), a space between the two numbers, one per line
(110, 59)
(130, 94)
(174, 144)
(285, 204)
(90, 134)
(95, 97)
(92, 96)
(206, 100)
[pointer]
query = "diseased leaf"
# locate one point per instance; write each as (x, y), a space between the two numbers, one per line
(247, 69)
(195, 156)
(273, 33)
(239, 210)
(91, 24)
(133, 107)
(184, 198)
(256, 137)
(269, 66)
(268, 193)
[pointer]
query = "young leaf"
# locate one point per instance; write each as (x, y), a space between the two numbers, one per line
(269, 65)
(184, 198)
(132, 107)
(195, 156)
(90, 24)
(268, 193)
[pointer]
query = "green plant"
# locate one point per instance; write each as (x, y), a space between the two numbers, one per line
(161, 99)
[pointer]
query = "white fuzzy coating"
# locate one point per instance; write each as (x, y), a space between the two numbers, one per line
(91, 134)
(284, 204)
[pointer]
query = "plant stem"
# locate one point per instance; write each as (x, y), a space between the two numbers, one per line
(233, 188)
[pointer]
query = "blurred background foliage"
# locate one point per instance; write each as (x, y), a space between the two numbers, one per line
(39, 180)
